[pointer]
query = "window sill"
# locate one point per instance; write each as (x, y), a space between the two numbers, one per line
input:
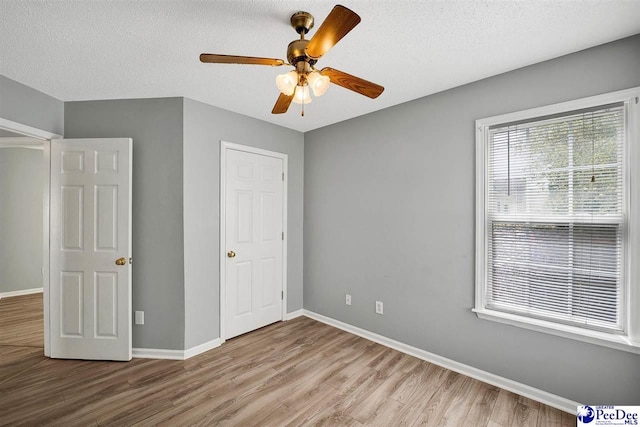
(618, 342)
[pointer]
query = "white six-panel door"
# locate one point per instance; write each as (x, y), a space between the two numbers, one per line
(253, 241)
(90, 249)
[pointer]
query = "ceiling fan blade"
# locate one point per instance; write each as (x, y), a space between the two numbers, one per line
(233, 59)
(353, 83)
(339, 22)
(282, 104)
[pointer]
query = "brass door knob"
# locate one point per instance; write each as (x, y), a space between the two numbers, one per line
(231, 254)
(121, 261)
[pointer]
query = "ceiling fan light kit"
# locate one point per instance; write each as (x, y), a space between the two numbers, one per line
(287, 82)
(303, 54)
(319, 83)
(301, 95)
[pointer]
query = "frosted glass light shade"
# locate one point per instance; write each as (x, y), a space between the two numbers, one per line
(319, 83)
(301, 95)
(287, 82)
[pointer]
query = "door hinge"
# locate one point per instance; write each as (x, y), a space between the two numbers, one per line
(636, 99)
(283, 235)
(281, 294)
(283, 176)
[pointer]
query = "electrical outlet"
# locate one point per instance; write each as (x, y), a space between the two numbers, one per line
(379, 307)
(347, 299)
(139, 317)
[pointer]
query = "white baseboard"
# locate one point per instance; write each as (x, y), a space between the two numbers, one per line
(20, 292)
(158, 353)
(478, 374)
(194, 351)
(294, 314)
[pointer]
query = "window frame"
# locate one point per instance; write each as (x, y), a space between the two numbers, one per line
(630, 340)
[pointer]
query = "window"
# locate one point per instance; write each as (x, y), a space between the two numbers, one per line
(555, 236)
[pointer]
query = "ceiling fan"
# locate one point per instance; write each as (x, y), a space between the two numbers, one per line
(303, 55)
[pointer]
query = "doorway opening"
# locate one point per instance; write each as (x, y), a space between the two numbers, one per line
(25, 153)
(22, 240)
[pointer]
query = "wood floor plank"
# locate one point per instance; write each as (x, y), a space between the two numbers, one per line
(424, 381)
(312, 387)
(14, 360)
(196, 406)
(297, 373)
(367, 408)
(549, 417)
(525, 416)
(386, 413)
(436, 408)
(330, 416)
(314, 408)
(513, 410)
(504, 409)
(21, 321)
(568, 420)
(459, 408)
(358, 388)
(482, 406)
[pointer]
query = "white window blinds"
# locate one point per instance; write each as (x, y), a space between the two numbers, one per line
(555, 218)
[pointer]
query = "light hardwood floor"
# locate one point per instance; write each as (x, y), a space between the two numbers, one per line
(299, 372)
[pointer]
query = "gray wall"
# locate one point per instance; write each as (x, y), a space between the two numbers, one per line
(176, 145)
(389, 215)
(158, 270)
(21, 184)
(204, 127)
(22, 104)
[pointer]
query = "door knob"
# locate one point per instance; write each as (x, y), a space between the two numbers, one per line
(121, 261)
(231, 254)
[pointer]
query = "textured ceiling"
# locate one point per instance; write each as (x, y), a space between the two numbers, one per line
(80, 50)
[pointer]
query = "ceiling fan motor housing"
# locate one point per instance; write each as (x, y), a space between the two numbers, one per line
(296, 53)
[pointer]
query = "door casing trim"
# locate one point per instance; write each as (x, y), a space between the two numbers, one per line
(224, 146)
